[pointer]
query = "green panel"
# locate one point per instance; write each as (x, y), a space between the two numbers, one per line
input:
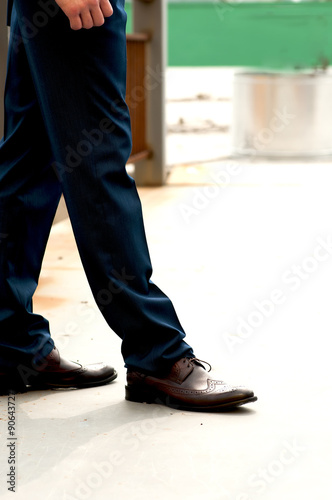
(129, 10)
(276, 35)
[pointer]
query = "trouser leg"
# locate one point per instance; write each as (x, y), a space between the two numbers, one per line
(29, 195)
(80, 83)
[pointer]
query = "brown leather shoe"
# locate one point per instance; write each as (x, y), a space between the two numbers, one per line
(56, 372)
(188, 386)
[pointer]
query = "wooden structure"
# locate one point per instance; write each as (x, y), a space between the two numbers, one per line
(150, 17)
(136, 96)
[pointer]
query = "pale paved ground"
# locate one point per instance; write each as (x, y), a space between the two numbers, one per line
(223, 251)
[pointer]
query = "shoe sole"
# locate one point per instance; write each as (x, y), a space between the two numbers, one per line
(141, 396)
(51, 385)
(17, 386)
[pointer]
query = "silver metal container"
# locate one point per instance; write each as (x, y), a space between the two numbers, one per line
(282, 114)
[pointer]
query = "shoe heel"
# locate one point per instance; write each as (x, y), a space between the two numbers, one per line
(11, 383)
(138, 395)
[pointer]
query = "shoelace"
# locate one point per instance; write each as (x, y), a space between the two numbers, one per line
(200, 361)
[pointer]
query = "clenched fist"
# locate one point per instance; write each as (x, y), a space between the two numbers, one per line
(85, 13)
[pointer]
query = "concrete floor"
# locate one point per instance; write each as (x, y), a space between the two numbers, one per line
(248, 265)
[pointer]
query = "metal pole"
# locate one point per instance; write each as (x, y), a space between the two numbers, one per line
(150, 16)
(3, 58)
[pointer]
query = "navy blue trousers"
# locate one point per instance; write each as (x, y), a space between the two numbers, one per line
(67, 130)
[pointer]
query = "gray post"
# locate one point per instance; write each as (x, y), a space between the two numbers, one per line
(3, 57)
(151, 16)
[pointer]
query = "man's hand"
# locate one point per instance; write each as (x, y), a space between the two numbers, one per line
(86, 13)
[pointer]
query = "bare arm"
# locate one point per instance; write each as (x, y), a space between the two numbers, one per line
(86, 13)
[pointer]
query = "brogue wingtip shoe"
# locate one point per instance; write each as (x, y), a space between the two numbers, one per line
(188, 386)
(56, 372)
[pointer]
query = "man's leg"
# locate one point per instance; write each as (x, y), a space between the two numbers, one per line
(79, 83)
(79, 78)
(29, 195)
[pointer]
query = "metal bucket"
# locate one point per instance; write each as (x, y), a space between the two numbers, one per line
(282, 114)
